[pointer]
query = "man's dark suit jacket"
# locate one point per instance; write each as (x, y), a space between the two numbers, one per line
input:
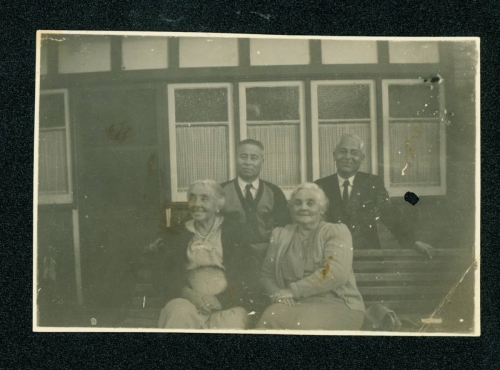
(368, 202)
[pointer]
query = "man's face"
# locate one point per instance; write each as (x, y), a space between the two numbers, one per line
(249, 159)
(348, 157)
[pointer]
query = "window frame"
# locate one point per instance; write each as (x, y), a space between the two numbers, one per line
(180, 196)
(315, 122)
(66, 198)
(420, 190)
(302, 121)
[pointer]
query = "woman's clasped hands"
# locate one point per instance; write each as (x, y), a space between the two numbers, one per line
(285, 297)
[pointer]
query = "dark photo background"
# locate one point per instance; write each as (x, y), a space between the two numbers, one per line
(393, 19)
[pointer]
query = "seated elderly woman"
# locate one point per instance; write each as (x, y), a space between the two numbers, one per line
(206, 258)
(308, 272)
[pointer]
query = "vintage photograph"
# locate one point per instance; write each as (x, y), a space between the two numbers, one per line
(260, 184)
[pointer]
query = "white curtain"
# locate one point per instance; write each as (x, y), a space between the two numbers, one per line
(52, 162)
(282, 152)
(414, 153)
(202, 153)
(329, 135)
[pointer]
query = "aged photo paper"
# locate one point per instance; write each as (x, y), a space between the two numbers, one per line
(257, 184)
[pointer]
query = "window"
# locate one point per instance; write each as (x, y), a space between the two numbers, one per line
(54, 160)
(349, 52)
(340, 107)
(273, 113)
(414, 137)
(413, 52)
(208, 52)
(84, 53)
(201, 134)
(144, 52)
(275, 52)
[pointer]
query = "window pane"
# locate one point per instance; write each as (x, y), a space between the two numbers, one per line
(348, 52)
(208, 52)
(144, 52)
(411, 101)
(343, 101)
(282, 152)
(278, 52)
(272, 103)
(413, 52)
(201, 154)
(79, 53)
(52, 112)
(52, 162)
(414, 153)
(329, 135)
(201, 105)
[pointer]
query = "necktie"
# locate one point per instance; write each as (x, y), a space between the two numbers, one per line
(345, 194)
(248, 195)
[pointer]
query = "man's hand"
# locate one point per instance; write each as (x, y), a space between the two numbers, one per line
(260, 248)
(259, 252)
(425, 249)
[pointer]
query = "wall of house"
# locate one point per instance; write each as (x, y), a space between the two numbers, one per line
(56, 263)
(120, 140)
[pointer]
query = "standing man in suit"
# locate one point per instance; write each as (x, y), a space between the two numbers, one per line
(251, 200)
(359, 199)
(260, 206)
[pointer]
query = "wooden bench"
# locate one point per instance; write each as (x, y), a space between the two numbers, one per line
(407, 282)
(402, 280)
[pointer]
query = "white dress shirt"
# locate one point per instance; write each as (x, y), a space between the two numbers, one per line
(341, 185)
(242, 183)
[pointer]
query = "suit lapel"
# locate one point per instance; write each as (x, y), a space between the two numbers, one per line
(336, 204)
(335, 188)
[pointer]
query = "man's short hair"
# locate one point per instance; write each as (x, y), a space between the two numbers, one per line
(257, 143)
(351, 135)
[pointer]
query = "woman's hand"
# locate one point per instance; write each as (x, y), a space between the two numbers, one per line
(196, 299)
(284, 296)
(287, 301)
(211, 302)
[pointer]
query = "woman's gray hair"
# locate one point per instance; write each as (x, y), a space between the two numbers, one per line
(322, 198)
(214, 187)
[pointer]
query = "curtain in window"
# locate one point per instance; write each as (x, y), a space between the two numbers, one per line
(282, 152)
(52, 162)
(329, 135)
(414, 153)
(201, 154)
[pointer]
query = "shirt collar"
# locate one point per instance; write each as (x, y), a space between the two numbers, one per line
(242, 184)
(350, 179)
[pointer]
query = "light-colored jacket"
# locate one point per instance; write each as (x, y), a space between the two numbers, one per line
(332, 256)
